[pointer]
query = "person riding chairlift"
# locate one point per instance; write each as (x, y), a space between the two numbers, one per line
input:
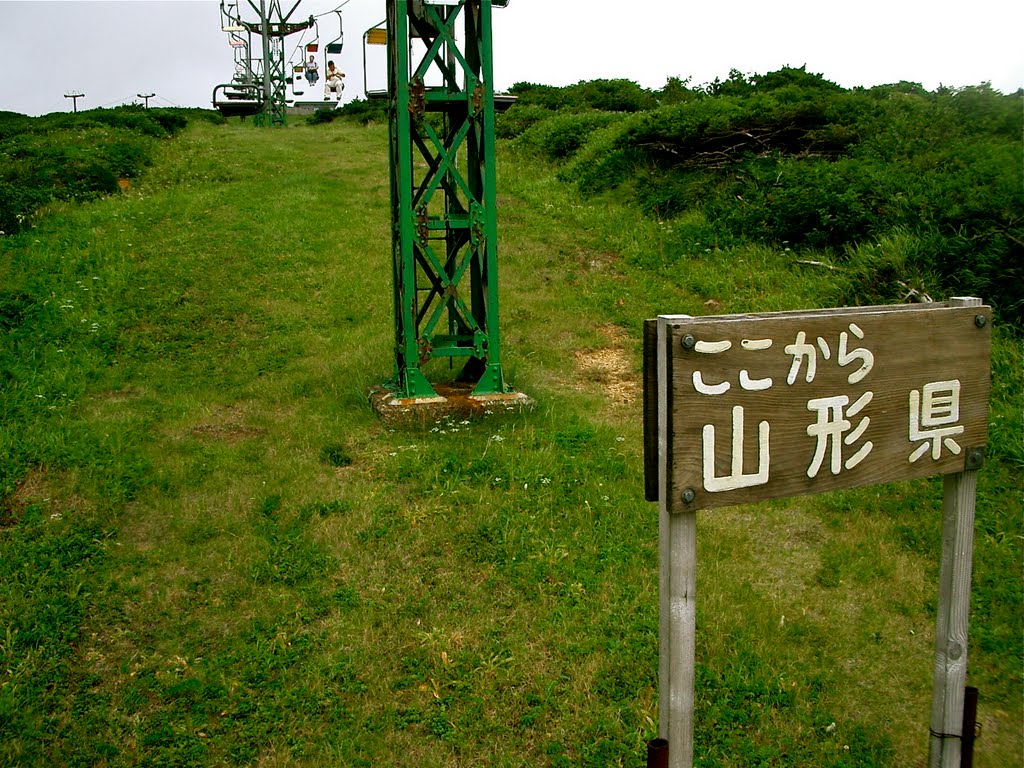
(334, 83)
(311, 71)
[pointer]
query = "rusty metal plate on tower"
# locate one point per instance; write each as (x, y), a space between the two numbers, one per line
(786, 404)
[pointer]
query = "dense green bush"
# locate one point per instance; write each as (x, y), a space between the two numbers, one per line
(676, 91)
(12, 123)
(792, 159)
(606, 95)
(564, 133)
(363, 111)
(535, 103)
(77, 156)
(603, 163)
(518, 118)
(787, 78)
(544, 96)
(614, 95)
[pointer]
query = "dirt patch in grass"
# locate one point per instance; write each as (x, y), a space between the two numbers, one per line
(228, 427)
(120, 395)
(600, 261)
(39, 486)
(232, 433)
(610, 366)
(10, 512)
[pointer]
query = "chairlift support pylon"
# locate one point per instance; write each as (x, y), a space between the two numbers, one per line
(273, 26)
(443, 193)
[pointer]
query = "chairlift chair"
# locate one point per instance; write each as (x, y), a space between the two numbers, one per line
(336, 45)
(299, 69)
(238, 99)
(314, 45)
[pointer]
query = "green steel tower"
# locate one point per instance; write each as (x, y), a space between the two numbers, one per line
(443, 198)
(273, 26)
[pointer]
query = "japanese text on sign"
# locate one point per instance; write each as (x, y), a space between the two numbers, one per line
(778, 405)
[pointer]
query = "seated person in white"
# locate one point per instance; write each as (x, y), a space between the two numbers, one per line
(334, 82)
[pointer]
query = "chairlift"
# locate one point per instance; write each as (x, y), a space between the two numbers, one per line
(303, 48)
(336, 45)
(239, 99)
(294, 81)
(302, 70)
(314, 45)
(374, 36)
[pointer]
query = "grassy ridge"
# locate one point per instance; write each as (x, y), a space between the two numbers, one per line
(214, 554)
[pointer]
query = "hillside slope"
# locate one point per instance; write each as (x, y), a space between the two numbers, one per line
(213, 553)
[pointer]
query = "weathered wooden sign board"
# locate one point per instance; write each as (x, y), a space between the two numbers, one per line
(743, 408)
(787, 404)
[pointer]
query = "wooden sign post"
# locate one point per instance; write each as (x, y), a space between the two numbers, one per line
(743, 408)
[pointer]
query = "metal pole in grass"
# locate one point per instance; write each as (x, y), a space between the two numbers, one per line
(970, 727)
(960, 490)
(657, 753)
(268, 92)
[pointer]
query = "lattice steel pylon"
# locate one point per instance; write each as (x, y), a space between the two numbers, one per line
(273, 27)
(443, 193)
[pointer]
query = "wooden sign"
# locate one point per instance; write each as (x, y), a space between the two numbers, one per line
(786, 404)
(743, 408)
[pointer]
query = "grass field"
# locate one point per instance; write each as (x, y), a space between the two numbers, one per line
(213, 552)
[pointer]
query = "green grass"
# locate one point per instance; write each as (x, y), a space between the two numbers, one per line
(213, 552)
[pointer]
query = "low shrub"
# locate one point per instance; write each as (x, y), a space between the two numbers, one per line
(547, 97)
(518, 118)
(605, 162)
(791, 158)
(77, 156)
(618, 95)
(363, 111)
(562, 134)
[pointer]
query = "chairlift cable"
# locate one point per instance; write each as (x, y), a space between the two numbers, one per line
(334, 10)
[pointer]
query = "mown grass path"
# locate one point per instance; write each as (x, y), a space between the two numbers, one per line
(215, 554)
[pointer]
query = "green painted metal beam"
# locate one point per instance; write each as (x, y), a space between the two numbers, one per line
(443, 193)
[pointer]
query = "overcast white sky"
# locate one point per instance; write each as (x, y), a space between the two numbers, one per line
(111, 51)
